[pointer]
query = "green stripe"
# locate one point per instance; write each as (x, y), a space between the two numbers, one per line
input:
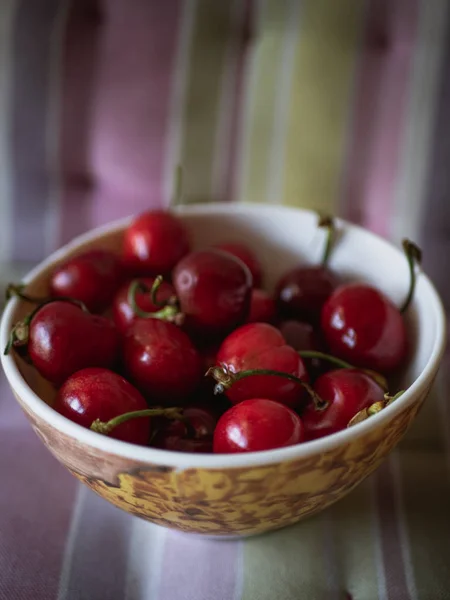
(211, 34)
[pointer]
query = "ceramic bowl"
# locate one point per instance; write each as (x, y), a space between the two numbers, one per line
(237, 495)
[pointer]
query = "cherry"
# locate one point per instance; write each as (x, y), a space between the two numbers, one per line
(246, 255)
(262, 307)
(260, 346)
(154, 243)
(302, 291)
(301, 335)
(96, 393)
(257, 424)
(61, 339)
(213, 290)
(124, 313)
(193, 434)
(91, 277)
(161, 360)
(346, 392)
(363, 326)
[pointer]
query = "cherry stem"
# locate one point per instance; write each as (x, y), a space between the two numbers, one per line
(105, 427)
(327, 223)
(167, 312)
(226, 378)
(17, 290)
(414, 257)
(374, 408)
(20, 332)
(377, 377)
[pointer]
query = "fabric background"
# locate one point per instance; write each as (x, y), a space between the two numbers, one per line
(339, 106)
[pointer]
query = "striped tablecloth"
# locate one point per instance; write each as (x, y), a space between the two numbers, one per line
(335, 105)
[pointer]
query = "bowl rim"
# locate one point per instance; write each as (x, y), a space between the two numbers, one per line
(183, 460)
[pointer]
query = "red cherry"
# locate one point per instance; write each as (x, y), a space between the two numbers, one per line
(262, 307)
(213, 290)
(347, 391)
(95, 393)
(300, 335)
(257, 424)
(63, 339)
(246, 255)
(161, 361)
(193, 435)
(261, 346)
(154, 243)
(123, 313)
(301, 293)
(362, 326)
(91, 277)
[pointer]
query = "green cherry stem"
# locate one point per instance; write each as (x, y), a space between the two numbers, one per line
(105, 427)
(167, 312)
(17, 290)
(414, 257)
(326, 222)
(226, 378)
(342, 364)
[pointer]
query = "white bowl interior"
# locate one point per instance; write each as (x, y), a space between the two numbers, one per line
(282, 238)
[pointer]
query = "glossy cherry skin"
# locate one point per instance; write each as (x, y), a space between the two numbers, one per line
(123, 313)
(347, 391)
(194, 436)
(362, 326)
(154, 243)
(248, 257)
(261, 346)
(63, 339)
(257, 424)
(214, 291)
(95, 393)
(301, 293)
(304, 336)
(92, 277)
(262, 307)
(161, 361)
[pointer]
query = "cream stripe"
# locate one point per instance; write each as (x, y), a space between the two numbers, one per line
(6, 32)
(409, 195)
(52, 217)
(179, 88)
(402, 524)
(282, 102)
(145, 558)
(224, 121)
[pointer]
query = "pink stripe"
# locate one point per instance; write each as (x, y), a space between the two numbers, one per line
(196, 568)
(237, 104)
(36, 500)
(391, 545)
(380, 104)
(132, 106)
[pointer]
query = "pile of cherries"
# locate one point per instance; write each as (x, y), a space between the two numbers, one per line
(184, 350)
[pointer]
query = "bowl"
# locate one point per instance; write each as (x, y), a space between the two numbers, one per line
(243, 494)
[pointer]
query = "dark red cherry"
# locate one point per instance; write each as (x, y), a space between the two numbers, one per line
(161, 361)
(261, 346)
(257, 424)
(213, 290)
(301, 293)
(61, 339)
(247, 256)
(123, 313)
(304, 336)
(195, 434)
(91, 277)
(95, 393)
(154, 243)
(362, 326)
(347, 391)
(262, 307)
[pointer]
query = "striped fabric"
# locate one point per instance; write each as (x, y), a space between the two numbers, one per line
(340, 106)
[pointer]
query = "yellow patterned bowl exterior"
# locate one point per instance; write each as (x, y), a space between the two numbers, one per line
(243, 494)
